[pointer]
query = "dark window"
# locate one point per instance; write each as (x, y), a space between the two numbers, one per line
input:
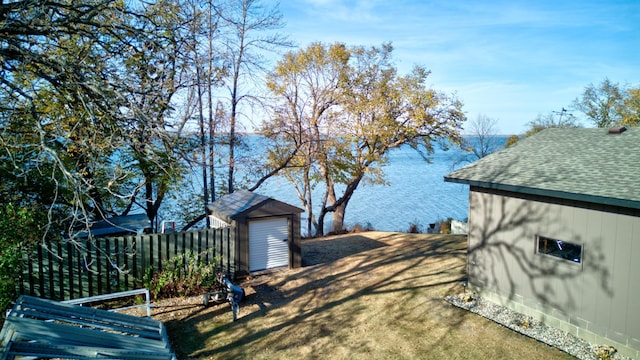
(560, 249)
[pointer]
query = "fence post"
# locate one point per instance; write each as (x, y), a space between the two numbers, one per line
(99, 273)
(70, 268)
(41, 290)
(138, 251)
(200, 235)
(118, 268)
(25, 260)
(125, 249)
(31, 278)
(50, 271)
(86, 263)
(158, 238)
(60, 262)
(231, 253)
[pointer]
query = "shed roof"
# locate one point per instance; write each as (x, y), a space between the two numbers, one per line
(578, 164)
(239, 202)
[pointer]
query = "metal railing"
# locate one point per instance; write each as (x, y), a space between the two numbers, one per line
(117, 295)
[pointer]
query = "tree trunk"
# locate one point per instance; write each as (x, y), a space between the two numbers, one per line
(212, 174)
(203, 143)
(338, 206)
(320, 223)
(212, 168)
(338, 218)
(232, 144)
(151, 209)
(308, 201)
(330, 198)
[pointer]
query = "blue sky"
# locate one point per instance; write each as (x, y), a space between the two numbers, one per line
(508, 60)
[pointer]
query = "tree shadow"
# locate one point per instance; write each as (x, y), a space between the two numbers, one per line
(322, 251)
(313, 294)
(503, 256)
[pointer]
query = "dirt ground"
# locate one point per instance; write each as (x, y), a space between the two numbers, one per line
(371, 295)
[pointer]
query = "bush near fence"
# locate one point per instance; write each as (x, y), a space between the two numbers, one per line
(66, 270)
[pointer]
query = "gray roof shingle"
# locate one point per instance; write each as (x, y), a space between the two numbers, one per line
(237, 203)
(580, 164)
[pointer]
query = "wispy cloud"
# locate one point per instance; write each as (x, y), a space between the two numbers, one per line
(507, 59)
(336, 10)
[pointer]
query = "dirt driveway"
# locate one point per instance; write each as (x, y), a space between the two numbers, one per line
(371, 295)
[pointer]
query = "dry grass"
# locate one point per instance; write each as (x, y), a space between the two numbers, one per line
(369, 295)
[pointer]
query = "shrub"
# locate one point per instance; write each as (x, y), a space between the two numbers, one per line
(414, 228)
(445, 226)
(183, 275)
(357, 228)
(19, 230)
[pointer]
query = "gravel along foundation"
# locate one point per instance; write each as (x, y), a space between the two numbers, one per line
(532, 328)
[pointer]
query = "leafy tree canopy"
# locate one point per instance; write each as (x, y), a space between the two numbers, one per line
(609, 104)
(342, 109)
(72, 93)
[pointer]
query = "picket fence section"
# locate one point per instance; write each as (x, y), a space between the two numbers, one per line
(70, 270)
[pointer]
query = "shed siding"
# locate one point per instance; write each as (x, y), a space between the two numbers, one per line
(598, 295)
(266, 209)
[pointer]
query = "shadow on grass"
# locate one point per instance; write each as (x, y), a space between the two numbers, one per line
(351, 268)
(316, 251)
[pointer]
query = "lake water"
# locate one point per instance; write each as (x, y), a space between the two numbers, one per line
(417, 194)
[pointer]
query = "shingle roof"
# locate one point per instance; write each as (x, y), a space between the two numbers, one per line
(237, 203)
(118, 225)
(580, 164)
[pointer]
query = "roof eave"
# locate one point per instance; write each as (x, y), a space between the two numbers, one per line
(602, 200)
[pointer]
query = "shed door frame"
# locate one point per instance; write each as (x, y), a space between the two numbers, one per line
(268, 243)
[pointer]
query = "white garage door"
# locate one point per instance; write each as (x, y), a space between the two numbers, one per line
(268, 244)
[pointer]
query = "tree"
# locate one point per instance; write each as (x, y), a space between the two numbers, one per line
(155, 72)
(203, 25)
(59, 115)
(307, 84)
(555, 119)
(631, 110)
(81, 83)
(482, 139)
(247, 29)
(602, 104)
(347, 110)
(511, 140)
(382, 111)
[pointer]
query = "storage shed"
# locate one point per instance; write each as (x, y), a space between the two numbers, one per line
(266, 231)
(554, 231)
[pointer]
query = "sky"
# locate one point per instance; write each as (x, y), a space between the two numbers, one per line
(508, 60)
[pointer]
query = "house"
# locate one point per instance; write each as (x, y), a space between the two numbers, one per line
(267, 231)
(119, 226)
(554, 231)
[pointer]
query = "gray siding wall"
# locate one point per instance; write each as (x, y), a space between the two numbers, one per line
(597, 299)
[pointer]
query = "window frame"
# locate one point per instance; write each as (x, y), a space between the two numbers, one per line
(538, 239)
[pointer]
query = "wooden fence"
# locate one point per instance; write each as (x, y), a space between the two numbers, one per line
(66, 270)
